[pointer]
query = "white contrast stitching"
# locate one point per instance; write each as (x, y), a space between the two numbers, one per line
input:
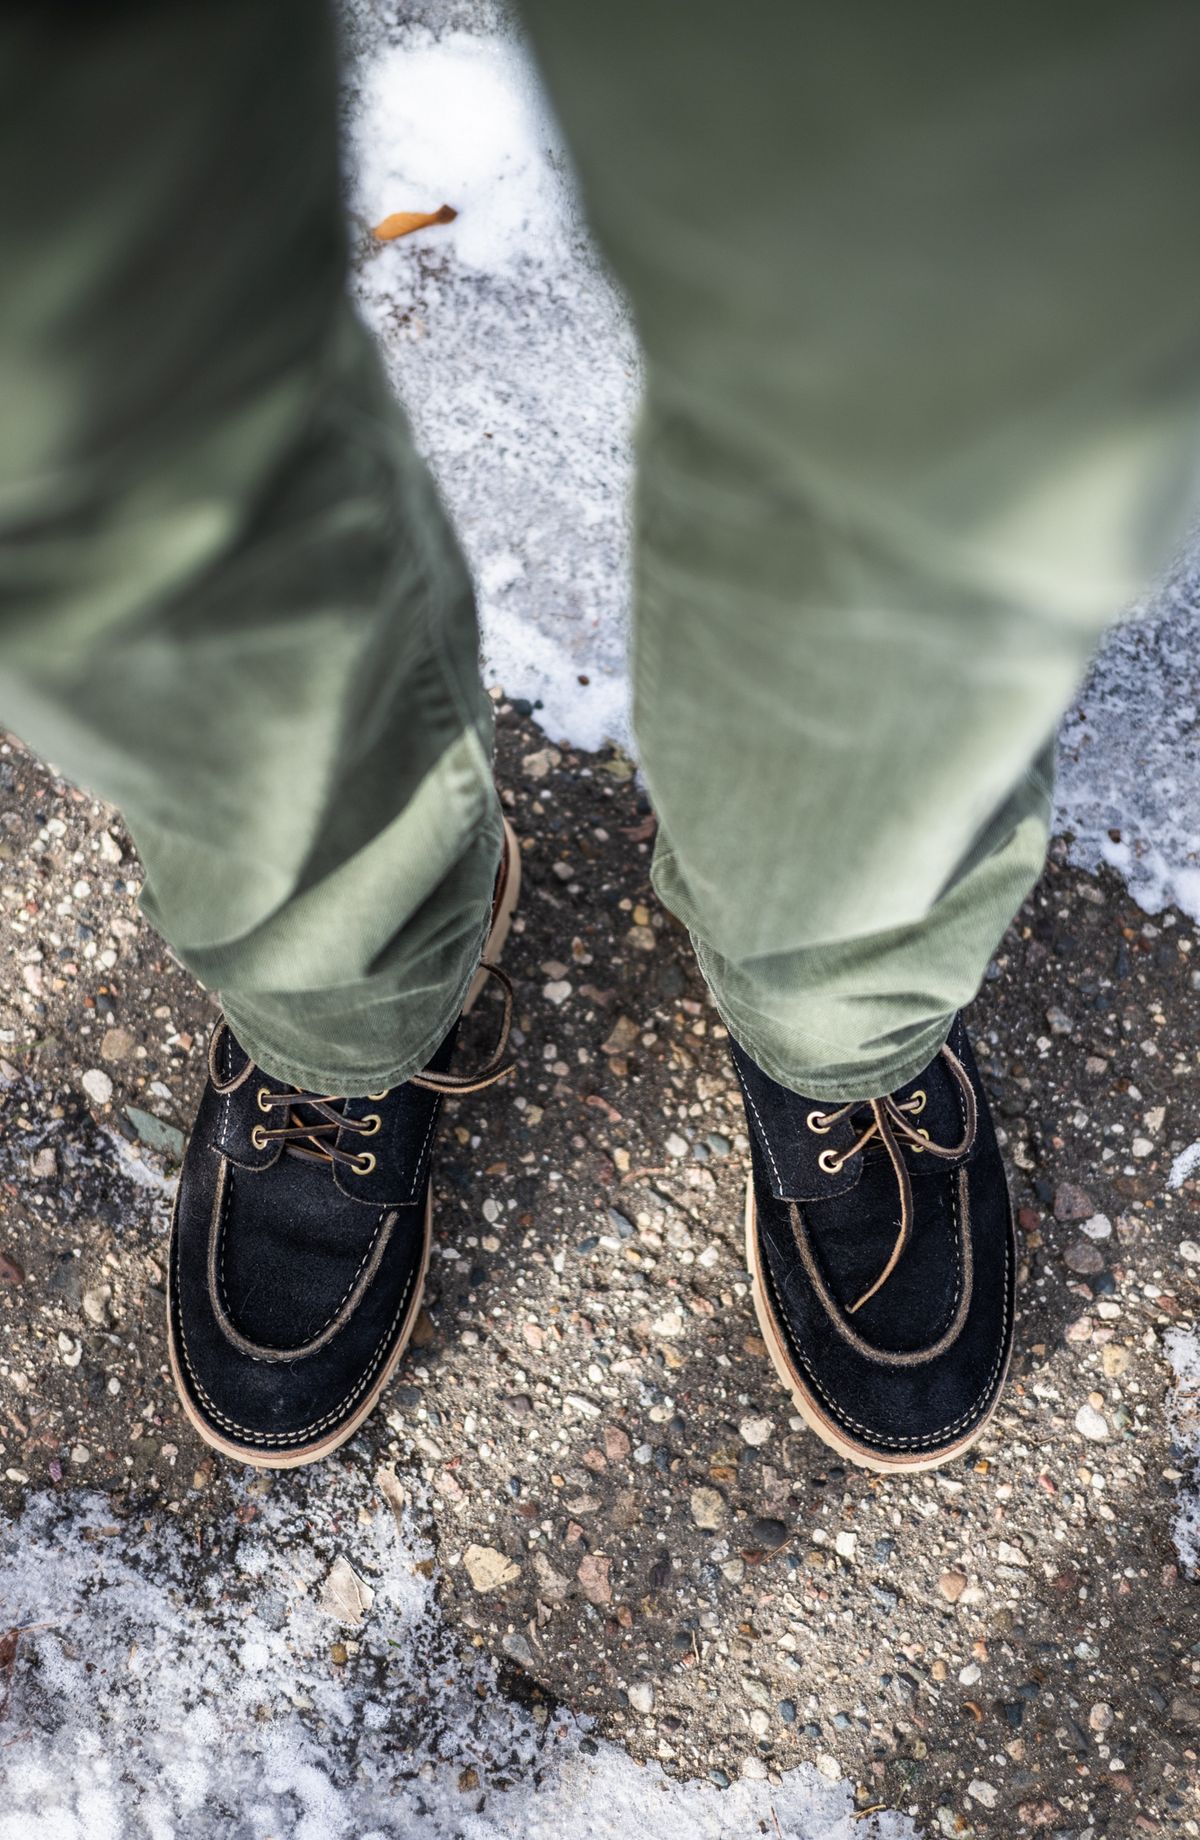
(433, 1118)
(318, 1424)
(956, 1237)
(762, 1129)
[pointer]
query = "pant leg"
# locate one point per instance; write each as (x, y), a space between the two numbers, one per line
(229, 600)
(922, 401)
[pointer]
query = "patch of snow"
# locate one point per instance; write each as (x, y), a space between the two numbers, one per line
(513, 354)
(1184, 1164)
(1182, 1348)
(1129, 753)
(163, 1692)
(144, 1170)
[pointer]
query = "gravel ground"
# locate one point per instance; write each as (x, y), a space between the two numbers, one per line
(619, 1508)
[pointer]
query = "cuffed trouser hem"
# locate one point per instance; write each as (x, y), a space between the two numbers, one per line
(800, 1063)
(317, 1078)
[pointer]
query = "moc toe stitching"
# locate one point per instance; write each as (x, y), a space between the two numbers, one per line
(280, 1439)
(226, 1203)
(942, 1333)
(945, 1433)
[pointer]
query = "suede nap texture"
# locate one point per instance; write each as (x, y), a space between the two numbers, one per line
(918, 1366)
(294, 1237)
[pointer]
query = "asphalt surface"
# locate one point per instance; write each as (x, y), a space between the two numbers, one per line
(621, 1508)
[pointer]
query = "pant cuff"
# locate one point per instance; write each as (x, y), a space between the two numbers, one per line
(313, 1076)
(806, 1065)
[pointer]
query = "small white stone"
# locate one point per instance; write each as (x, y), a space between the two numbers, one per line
(1142, 1146)
(96, 1303)
(1189, 1250)
(641, 1696)
(970, 1674)
(828, 1767)
(677, 1146)
(556, 991)
(97, 1085)
(1091, 1424)
(756, 1431)
(1098, 1227)
(708, 1509)
(984, 1792)
(845, 1545)
(1011, 1555)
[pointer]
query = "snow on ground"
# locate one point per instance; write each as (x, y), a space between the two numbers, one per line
(1183, 1352)
(1129, 753)
(161, 1693)
(514, 356)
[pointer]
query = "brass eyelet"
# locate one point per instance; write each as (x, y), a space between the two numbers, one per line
(382, 1095)
(364, 1164)
(258, 1137)
(370, 1125)
(916, 1105)
(830, 1162)
(817, 1122)
(918, 1149)
(264, 1092)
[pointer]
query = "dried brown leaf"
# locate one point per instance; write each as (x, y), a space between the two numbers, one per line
(403, 223)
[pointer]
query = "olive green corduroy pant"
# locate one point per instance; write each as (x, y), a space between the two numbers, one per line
(919, 292)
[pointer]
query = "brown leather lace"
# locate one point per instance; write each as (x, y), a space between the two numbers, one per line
(891, 1124)
(315, 1136)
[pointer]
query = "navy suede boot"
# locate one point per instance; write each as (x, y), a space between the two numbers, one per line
(880, 1244)
(301, 1240)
